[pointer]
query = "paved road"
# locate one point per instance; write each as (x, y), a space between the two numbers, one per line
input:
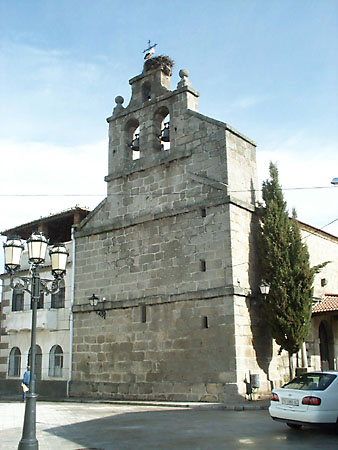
(75, 426)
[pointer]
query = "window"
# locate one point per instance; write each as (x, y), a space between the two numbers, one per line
(14, 362)
(58, 299)
(17, 300)
(311, 381)
(204, 322)
(38, 361)
(203, 265)
(40, 302)
(143, 314)
(55, 362)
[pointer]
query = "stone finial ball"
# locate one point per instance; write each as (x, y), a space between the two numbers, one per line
(119, 100)
(183, 73)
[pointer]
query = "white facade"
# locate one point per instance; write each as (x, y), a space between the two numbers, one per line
(53, 332)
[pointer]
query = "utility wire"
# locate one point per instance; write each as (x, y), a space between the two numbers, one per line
(320, 229)
(154, 194)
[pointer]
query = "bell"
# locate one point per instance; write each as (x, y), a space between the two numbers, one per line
(165, 133)
(135, 144)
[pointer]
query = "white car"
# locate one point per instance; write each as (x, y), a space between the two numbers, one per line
(311, 398)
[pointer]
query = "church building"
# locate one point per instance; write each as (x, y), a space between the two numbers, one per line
(167, 303)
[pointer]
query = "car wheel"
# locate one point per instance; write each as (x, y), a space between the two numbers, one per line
(294, 426)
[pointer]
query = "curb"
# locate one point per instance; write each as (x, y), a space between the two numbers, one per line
(255, 405)
(250, 406)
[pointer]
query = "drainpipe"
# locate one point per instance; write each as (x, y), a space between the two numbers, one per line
(71, 316)
(2, 281)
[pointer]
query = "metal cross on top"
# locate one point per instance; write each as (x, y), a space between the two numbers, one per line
(149, 51)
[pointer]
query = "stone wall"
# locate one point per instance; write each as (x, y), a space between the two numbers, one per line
(170, 356)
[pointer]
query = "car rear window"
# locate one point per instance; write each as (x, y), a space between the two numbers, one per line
(311, 381)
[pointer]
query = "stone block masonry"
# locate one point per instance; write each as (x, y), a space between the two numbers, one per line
(170, 356)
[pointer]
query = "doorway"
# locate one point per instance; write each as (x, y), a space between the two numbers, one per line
(324, 346)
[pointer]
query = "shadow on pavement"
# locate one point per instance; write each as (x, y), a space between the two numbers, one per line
(191, 430)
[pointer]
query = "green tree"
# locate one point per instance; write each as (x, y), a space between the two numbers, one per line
(286, 268)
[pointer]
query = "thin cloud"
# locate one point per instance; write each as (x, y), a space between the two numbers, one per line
(49, 169)
(249, 101)
(50, 89)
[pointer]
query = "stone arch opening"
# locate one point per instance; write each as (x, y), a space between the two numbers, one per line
(162, 127)
(132, 135)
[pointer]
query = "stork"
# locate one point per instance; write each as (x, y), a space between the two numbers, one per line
(149, 51)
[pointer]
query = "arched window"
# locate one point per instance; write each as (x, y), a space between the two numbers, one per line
(38, 361)
(162, 127)
(14, 362)
(58, 299)
(55, 362)
(17, 300)
(132, 131)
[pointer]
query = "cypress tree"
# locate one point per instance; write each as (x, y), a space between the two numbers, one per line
(286, 268)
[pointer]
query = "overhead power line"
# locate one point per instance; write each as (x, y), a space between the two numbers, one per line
(155, 194)
(320, 229)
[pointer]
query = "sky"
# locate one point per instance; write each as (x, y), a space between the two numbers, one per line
(268, 68)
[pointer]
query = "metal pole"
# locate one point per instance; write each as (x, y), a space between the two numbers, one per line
(28, 440)
(304, 355)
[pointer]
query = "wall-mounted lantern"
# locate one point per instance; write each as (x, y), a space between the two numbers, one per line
(265, 289)
(94, 301)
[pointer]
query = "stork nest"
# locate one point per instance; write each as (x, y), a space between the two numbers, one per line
(162, 61)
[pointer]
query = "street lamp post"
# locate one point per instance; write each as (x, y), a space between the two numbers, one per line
(37, 246)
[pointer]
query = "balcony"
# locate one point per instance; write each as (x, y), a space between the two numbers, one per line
(22, 320)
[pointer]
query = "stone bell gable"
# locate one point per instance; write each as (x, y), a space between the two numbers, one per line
(171, 250)
(204, 157)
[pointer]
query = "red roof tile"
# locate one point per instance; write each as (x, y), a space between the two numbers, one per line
(328, 304)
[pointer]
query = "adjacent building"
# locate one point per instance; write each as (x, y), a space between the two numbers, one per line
(322, 342)
(54, 316)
